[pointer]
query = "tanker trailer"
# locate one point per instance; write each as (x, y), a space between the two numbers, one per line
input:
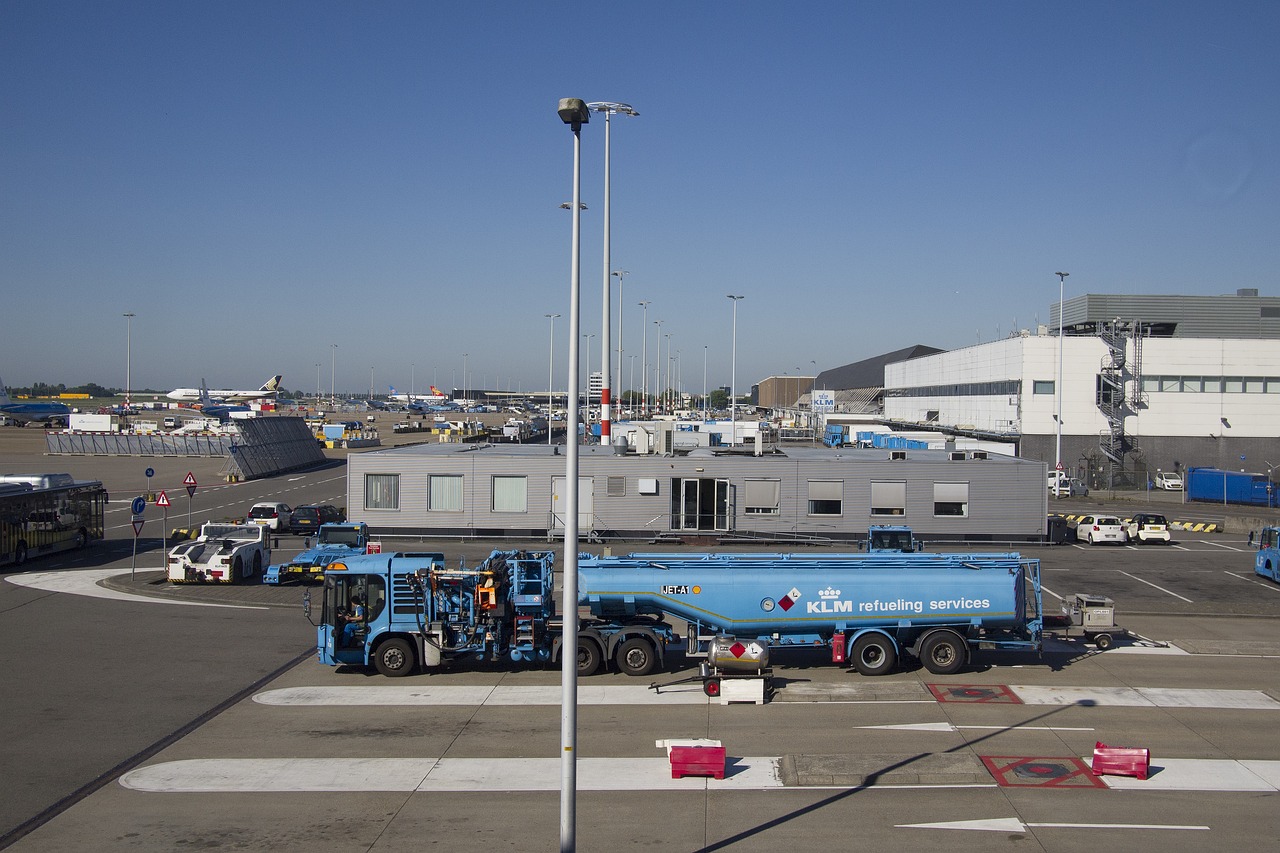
(937, 607)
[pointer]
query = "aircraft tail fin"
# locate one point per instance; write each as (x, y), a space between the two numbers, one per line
(272, 384)
(4, 394)
(436, 391)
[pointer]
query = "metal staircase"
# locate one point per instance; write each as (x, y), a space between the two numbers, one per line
(1114, 372)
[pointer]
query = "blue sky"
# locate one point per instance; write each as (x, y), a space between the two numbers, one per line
(259, 180)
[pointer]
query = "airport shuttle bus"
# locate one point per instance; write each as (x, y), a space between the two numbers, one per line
(46, 513)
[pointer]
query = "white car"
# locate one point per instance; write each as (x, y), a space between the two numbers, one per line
(1148, 527)
(1096, 529)
(1168, 482)
(274, 515)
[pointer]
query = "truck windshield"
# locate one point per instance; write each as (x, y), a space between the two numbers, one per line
(339, 536)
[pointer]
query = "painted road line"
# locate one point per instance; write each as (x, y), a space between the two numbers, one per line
(1162, 589)
(293, 775)
(948, 727)
(1202, 774)
(1270, 586)
(531, 695)
(1220, 545)
(85, 583)
(1012, 824)
(1144, 647)
(1146, 697)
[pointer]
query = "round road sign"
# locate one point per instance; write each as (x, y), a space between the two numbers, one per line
(151, 472)
(139, 505)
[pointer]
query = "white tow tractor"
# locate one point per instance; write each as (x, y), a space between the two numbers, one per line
(222, 553)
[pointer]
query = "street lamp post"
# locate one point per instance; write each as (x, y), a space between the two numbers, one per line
(317, 383)
(551, 371)
(733, 374)
(657, 354)
(573, 112)
(333, 372)
(704, 384)
(128, 359)
(608, 108)
(465, 398)
(644, 360)
(1057, 456)
(588, 338)
(617, 388)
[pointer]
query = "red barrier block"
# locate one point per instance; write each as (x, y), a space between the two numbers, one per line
(1121, 761)
(697, 761)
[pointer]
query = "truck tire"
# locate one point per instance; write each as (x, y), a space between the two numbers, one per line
(636, 657)
(20, 554)
(874, 654)
(237, 569)
(588, 656)
(394, 658)
(1102, 641)
(944, 653)
(257, 563)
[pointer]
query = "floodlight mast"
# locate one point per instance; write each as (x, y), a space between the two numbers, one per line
(609, 108)
(573, 112)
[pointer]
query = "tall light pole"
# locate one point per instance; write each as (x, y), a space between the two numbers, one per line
(464, 379)
(657, 354)
(733, 374)
(413, 370)
(588, 338)
(666, 386)
(333, 372)
(608, 108)
(317, 383)
(573, 112)
(631, 384)
(551, 372)
(618, 388)
(1057, 460)
(644, 360)
(704, 383)
(128, 359)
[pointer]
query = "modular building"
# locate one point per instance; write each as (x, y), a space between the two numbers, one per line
(805, 494)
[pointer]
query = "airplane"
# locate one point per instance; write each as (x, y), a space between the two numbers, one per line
(222, 411)
(436, 396)
(24, 413)
(270, 389)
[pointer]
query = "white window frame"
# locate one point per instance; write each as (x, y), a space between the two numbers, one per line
(382, 491)
(444, 493)
(510, 493)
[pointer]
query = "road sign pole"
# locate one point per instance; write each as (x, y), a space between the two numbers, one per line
(133, 564)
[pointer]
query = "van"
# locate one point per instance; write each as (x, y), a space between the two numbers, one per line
(170, 423)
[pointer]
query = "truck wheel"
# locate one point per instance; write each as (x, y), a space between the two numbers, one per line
(873, 654)
(257, 563)
(588, 656)
(711, 687)
(237, 569)
(943, 653)
(1102, 641)
(636, 657)
(394, 658)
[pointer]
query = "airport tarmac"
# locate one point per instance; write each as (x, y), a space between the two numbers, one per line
(151, 720)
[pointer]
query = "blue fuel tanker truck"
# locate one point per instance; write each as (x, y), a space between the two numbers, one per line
(399, 612)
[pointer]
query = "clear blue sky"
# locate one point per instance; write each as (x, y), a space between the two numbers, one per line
(259, 180)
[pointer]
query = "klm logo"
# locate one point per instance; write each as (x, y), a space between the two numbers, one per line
(828, 606)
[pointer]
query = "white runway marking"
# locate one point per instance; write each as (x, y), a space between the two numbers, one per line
(1162, 589)
(281, 775)
(86, 582)
(1146, 697)
(1013, 824)
(477, 695)
(1201, 774)
(1254, 580)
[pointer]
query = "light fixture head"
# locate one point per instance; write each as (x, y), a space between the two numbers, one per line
(574, 112)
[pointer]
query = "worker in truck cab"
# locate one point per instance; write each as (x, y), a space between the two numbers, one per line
(353, 618)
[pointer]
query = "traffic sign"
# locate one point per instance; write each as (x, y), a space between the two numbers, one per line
(162, 500)
(151, 472)
(139, 505)
(1059, 466)
(190, 480)
(137, 527)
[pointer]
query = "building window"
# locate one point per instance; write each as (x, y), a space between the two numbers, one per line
(1233, 384)
(1042, 386)
(444, 493)
(381, 491)
(1253, 385)
(1212, 385)
(951, 499)
(826, 497)
(762, 497)
(888, 498)
(1150, 383)
(616, 487)
(510, 494)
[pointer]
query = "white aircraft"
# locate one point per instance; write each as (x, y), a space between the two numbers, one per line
(436, 396)
(193, 395)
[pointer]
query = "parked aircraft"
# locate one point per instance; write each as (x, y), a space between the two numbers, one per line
(24, 413)
(436, 397)
(270, 389)
(211, 408)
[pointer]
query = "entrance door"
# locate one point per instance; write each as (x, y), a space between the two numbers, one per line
(699, 504)
(560, 500)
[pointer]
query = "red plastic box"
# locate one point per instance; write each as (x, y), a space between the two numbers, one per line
(697, 761)
(1121, 761)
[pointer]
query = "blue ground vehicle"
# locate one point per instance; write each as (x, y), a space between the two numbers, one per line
(1267, 561)
(891, 539)
(938, 607)
(333, 542)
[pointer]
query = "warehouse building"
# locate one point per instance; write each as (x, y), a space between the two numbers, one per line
(802, 495)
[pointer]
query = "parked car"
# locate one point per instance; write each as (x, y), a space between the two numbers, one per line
(1148, 527)
(271, 514)
(1070, 488)
(307, 519)
(1168, 482)
(1096, 529)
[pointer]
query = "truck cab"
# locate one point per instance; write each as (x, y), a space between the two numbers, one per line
(892, 539)
(1267, 562)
